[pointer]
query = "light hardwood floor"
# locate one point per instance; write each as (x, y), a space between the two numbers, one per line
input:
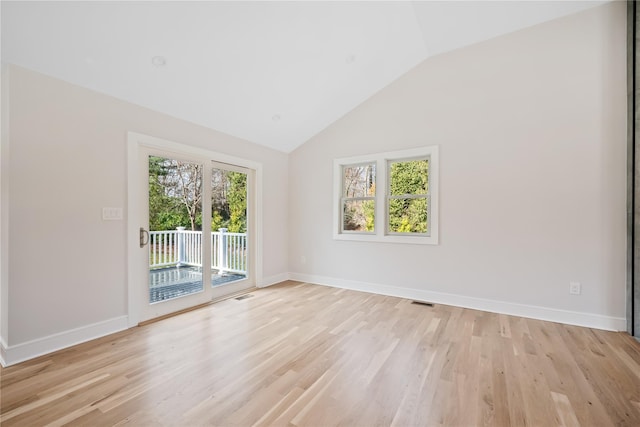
(305, 355)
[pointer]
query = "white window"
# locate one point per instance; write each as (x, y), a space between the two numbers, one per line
(387, 197)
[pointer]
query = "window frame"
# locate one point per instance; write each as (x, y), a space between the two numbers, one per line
(381, 231)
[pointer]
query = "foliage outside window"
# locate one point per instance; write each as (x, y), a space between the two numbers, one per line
(358, 197)
(403, 209)
(175, 196)
(229, 200)
(408, 196)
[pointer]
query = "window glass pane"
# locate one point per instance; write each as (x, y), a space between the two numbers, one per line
(409, 177)
(408, 215)
(359, 181)
(228, 226)
(358, 215)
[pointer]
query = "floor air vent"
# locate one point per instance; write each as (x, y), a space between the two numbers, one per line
(245, 296)
(428, 304)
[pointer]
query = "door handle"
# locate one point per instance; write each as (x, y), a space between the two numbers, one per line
(143, 233)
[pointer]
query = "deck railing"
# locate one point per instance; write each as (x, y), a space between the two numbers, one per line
(182, 247)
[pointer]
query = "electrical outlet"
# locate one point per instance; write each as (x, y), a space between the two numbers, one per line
(575, 288)
(303, 259)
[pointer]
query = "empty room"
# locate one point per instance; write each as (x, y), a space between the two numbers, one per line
(354, 213)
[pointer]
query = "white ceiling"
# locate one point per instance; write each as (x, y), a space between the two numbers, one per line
(274, 73)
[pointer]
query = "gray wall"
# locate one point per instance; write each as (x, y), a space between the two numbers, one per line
(67, 267)
(532, 134)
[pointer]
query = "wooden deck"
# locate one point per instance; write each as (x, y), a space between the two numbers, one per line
(174, 282)
(305, 355)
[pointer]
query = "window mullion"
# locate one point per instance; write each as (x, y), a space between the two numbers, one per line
(381, 197)
(409, 196)
(344, 199)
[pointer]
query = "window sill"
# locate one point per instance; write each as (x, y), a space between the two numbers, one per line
(375, 238)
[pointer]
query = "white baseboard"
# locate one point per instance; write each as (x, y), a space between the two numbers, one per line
(3, 352)
(12, 354)
(272, 280)
(589, 320)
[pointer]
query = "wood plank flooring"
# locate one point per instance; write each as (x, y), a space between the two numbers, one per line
(306, 355)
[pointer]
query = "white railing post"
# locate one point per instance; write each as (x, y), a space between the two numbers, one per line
(222, 252)
(180, 238)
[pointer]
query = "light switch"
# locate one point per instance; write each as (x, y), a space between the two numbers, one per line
(575, 288)
(112, 214)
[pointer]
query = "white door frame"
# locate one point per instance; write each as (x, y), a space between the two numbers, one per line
(135, 142)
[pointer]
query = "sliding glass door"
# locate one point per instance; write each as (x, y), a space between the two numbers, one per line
(195, 229)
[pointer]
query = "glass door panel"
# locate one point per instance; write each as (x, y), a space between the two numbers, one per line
(229, 243)
(175, 229)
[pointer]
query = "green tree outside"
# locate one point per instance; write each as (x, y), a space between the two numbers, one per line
(175, 191)
(407, 214)
(166, 212)
(237, 202)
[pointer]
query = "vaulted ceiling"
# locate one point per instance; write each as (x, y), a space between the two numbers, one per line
(274, 73)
